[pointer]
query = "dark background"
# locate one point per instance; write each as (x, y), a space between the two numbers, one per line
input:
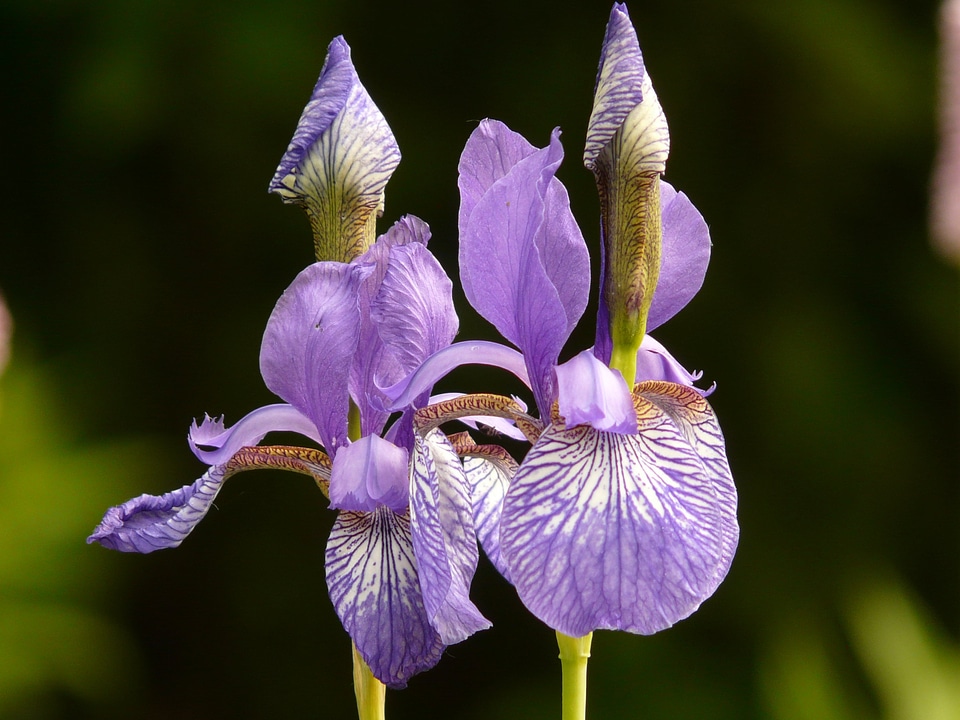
(141, 256)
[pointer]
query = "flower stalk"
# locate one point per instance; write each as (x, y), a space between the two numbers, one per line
(574, 654)
(371, 693)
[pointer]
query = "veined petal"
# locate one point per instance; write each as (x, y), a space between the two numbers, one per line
(250, 430)
(151, 522)
(690, 412)
(372, 579)
(370, 472)
(523, 260)
(339, 160)
(591, 393)
(654, 362)
(480, 352)
(489, 480)
(309, 344)
(610, 531)
(626, 111)
(685, 256)
(441, 517)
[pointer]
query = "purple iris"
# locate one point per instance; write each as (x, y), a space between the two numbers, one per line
(403, 551)
(623, 513)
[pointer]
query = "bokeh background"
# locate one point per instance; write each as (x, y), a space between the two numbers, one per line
(141, 256)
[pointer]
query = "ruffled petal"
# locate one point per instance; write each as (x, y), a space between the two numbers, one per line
(610, 531)
(654, 362)
(370, 472)
(339, 160)
(443, 538)
(523, 261)
(215, 444)
(591, 393)
(372, 579)
(685, 256)
(309, 344)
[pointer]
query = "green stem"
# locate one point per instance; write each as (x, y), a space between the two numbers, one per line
(371, 693)
(574, 653)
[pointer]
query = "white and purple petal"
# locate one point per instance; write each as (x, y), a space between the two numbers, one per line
(441, 515)
(590, 393)
(611, 531)
(339, 160)
(372, 580)
(489, 480)
(309, 345)
(370, 472)
(523, 261)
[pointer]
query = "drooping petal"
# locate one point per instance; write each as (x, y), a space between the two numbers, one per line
(685, 256)
(591, 393)
(611, 531)
(339, 160)
(690, 412)
(443, 537)
(215, 444)
(654, 362)
(309, 344)
(372, 579)
(489, 480)
(370, 472)
(523, 261)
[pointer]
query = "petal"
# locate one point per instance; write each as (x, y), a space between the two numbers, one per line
(489, 481)
(654, 362)
(484, 423)
(685, 256)
(372, 580)
(626, 112)
(339, 160)
(523, 261)
(370, 472)
(250, 430)
(441, 516)
(150, 522)
(309, 344)
(688, 409)
(593, 394)
(610, 531)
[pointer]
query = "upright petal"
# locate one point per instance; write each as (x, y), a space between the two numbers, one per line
(372, 579)
(443, 537)
(339, 160)
(309, 344)
(610, 531)
(523, 261)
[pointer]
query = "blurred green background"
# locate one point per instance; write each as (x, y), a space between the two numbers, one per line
(141, 257)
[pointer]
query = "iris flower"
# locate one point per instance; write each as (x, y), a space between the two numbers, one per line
(623, 513)
(403, 550)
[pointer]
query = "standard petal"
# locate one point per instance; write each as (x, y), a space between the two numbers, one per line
(690, 411)
(151, 522)
(339, 161)
(309, 344)
(489, 480)
(591, 393)
(373, 584)
(370, 472)
(510, 231)
(444, 541)
(610, 531)
(685, 256)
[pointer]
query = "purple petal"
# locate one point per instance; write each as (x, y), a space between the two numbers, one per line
(150, 522)
(503, 426)
(626, 112)
(523, 261)
(489, 481)
(611, 531)
(373, 584)
(654, 362)
(339, 160)
(370, 472)
(6, 330)
(690, 412)
(443, 538)
(685, 256)
(309, 344)
(440, 363)
(250, 430)
(591, 393)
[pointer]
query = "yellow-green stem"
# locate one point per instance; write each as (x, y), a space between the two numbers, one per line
(574, 653)
(371, 693)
